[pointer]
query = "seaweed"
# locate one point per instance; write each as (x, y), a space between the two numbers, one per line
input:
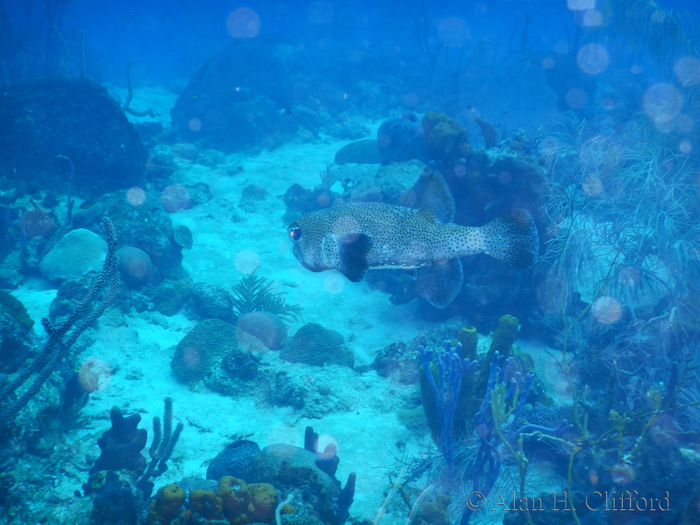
(254, 294)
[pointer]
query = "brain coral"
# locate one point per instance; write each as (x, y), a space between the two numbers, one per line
(315, 345)
(78, 252)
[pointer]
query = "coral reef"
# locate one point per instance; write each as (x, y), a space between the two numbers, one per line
(63, 336)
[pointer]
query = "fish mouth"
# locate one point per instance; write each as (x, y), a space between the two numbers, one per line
(306, 262)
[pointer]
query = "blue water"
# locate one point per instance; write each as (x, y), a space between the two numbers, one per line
(350, 262)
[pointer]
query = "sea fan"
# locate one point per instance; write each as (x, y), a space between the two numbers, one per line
(254, 294)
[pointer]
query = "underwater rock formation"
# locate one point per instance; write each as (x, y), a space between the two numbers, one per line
(44, 118)
(364, 151)
(233, 460)
(400, 139)
(233, 101)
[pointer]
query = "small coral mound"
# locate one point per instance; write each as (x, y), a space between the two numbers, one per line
(315, 345)
(445, 139)
(77, 253)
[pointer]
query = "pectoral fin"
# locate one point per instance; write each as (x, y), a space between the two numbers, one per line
(440, 283)
(353, 250)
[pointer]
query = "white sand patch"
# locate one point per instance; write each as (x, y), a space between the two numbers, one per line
(144, 98)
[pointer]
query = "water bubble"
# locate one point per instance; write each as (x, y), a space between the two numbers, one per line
(175, 198)
(192, 356)
(136, 196)
(247, 261)
(334, 283)
(327, 446)
(576, 98)
(195, 124)
(453, 32)
(460, 170)
(411, 100)
(591, 186)
(629, 276)
(664, 430)
(345, 225)
(685, 147)
(685, 123)
(622, 473)
(687, 71)
(662, 103)
(548, 146)
(592, 59)
(505, 177)
(561, 47)
(548, 63)
(606, 310)
(580, 5)
(95, 375)
(243, 23)
(593, 18)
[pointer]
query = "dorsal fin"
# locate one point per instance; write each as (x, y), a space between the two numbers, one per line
(426, 214)
(434, 195)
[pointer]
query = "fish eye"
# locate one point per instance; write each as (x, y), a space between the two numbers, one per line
(294, 233)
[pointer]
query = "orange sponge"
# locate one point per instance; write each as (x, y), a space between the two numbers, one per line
(207, 504)
(234, 495)
(166, 505)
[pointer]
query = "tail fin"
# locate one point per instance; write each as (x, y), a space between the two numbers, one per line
(512, 238)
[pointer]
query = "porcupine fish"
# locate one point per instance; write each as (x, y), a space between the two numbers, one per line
(353, 238)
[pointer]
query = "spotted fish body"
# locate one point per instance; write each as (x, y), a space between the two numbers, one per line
(356, 237)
